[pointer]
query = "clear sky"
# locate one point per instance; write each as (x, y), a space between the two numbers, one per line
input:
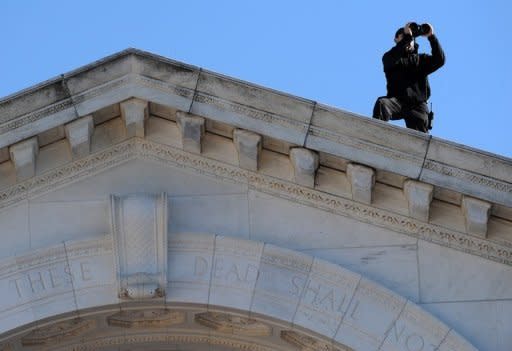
(324, 50)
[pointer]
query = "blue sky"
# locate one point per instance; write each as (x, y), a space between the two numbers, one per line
(327, 51)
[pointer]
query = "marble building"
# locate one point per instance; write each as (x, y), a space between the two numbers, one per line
(146, 204)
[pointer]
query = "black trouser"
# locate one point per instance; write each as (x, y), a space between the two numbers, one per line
(415, 116)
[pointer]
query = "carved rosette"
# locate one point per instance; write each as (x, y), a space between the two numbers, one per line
(307, 343)
(230, 324)
(56, 332)
(139, 225)
(152, 318)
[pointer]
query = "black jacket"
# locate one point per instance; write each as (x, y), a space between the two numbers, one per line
(406, 73)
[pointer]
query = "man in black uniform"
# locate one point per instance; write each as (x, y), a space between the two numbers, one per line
(406, 76)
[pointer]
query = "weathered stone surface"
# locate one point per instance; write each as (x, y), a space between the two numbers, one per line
(419, 196)
(261, 110)
(476, 215)
(79, 134)
(192, 131)
(139, 227)
(248, 145)
(23, 155)
(147, 318)
(134, 113)
(57, 332)
(305, 163)
(362, 181)
(233, 324)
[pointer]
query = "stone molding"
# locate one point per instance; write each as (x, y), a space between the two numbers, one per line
(57, 332)
(139, 227)
(330, 130)
(372, 317)
(137, 148)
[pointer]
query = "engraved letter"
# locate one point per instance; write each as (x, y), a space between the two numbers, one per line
(86, 271)
(414, 342)
(201, 265)
(37, 280)
(297, 284)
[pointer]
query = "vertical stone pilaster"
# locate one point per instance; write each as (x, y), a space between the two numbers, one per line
(476, 214)
(79, 134)
(139, 227)
(23, 156)
(419, 196)
(192, 131)
(248, 145)
(134, 113)
(305, 163)
(362, 181)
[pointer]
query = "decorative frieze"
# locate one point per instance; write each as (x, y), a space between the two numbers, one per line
(248, 145)
(307, 343)
(476, 215)
(305, 163)
(149, 318)
(232, 324)
(78, 134)
(192, 131)
(139, 227)
(57, 332)
(23, 155)
(134, 113)
(362, 181)
(419, 196)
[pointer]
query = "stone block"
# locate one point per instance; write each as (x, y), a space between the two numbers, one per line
(305, 163)
(235, 270)
(476, 215)
(370, 315)
(184, 210)
(192, 130)
(282, 277)
(449, 275)
(23, 156)
(261, 110)
(454, 342)
(362, 181)
(79, 134)
(190, 267)
(419, 196)
(248, 146)
(414, 329)
(326, 297)
(134, 113)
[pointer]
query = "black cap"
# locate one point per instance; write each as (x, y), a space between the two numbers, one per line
(399, 31)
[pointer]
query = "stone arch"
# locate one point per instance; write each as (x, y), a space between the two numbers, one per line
(218, 284)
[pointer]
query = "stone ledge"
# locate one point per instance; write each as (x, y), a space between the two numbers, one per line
(133, 73)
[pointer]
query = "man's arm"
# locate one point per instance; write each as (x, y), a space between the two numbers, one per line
(433, 62)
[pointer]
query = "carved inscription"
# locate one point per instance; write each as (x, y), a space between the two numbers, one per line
(57, 276)
(411, 341)
(232, 272)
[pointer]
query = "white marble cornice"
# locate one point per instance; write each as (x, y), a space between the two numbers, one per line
(137, 148)
(300, 122)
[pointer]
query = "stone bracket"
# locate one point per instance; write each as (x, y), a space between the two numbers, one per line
(248, 145)
(305, 163)
(23, 156)
(79, 134)
(419, 196)
(192, 131)
(134, 113)
(476, 214)
(362, 181)
(139, 227)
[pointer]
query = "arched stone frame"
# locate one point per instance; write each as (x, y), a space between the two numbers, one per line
(314, 304)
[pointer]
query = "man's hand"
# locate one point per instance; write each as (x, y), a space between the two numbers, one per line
(407, 28)
(430, 32)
